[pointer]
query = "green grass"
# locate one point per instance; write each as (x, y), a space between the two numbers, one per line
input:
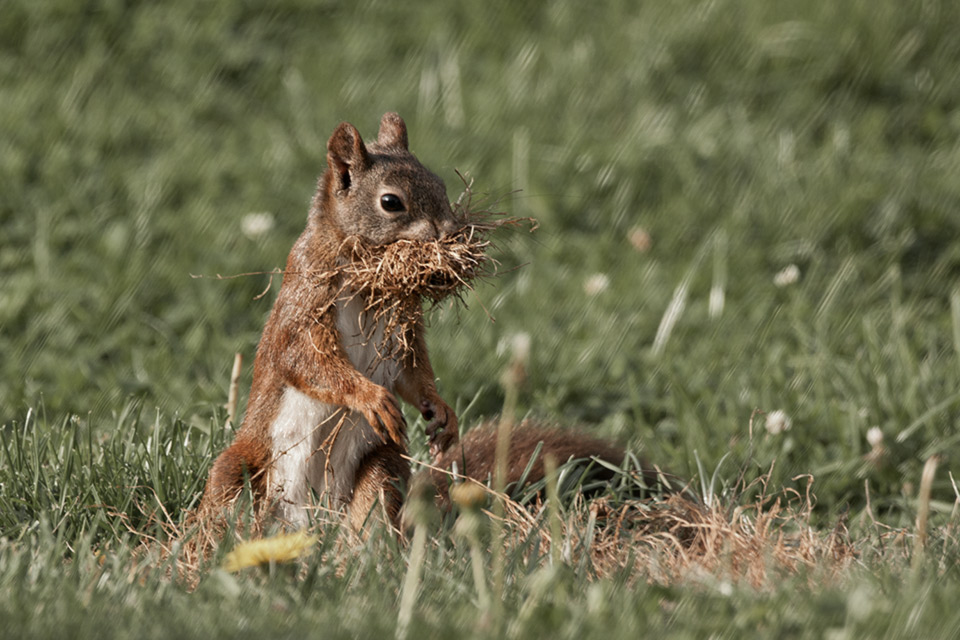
(742, 136)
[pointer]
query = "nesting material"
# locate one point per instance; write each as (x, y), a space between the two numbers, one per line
(678, 540)
(394, 280)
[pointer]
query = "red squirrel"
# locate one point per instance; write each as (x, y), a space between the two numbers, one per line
(323, 411)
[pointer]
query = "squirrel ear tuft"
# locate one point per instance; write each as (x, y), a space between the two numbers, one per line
(393, 131)
(346, 152)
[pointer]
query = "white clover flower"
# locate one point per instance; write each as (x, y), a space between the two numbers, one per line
(640, 239)
(787, 276)
(520, 346)
(861, 602)
(254, 225)
(875, 437)
(597, 283)
(777, 422)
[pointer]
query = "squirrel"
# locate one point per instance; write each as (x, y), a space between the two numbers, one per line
(323, 412)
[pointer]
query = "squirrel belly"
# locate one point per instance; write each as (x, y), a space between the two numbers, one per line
(319, 445)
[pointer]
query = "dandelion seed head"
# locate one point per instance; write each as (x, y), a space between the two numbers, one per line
(596, 284)
(787, 276)
(520, 346)
(640, 239)
(777, 422)
(254, 225)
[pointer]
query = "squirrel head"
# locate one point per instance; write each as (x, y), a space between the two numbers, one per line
(380, 192)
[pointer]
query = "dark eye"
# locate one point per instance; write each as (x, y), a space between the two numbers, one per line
(391, 202)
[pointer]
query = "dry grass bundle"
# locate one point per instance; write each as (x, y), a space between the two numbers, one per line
(675, 540)
(756, 544)
(184, 549)
(426, 269)
(679, 540)
(395, 279)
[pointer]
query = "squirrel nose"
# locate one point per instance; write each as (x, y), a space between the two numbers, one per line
(446, 228)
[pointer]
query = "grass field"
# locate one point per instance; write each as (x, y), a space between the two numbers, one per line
(743, 207)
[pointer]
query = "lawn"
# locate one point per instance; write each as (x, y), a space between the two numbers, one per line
(749, 219)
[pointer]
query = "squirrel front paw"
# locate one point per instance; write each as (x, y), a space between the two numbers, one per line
(442, 430)
(382, 411)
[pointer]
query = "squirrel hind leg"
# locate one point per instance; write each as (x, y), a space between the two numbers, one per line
(230, 472)
(377, 487)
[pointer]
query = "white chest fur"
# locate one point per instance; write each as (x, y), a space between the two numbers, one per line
(364, 341)
(321, 445)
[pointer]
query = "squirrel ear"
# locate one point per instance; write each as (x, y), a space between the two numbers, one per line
(346, 151)
(393, 131)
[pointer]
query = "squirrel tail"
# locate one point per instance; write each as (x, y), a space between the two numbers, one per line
(475, 457)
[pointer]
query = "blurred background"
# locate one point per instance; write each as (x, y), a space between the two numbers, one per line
(743, 206)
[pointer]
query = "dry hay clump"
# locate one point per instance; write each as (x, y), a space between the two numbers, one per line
(395, 279)
(184, 550)
(677, 539)
(418, 269)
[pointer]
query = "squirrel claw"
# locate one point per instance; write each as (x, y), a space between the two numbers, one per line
(442, 441)
(442, 430)
(385, 417)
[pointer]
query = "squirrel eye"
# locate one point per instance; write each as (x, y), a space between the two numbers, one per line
(391, 202)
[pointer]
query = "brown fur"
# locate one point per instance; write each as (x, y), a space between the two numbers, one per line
(475, 456)
(379, 483)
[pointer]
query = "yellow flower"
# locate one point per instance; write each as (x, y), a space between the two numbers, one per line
(280, 548)
(468, 495)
